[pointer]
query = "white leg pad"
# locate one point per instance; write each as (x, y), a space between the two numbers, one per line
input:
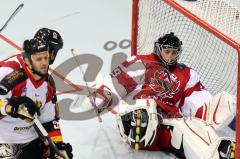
(199, 139)
(220, 110)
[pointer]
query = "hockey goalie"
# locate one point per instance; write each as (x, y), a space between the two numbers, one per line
(164, 107)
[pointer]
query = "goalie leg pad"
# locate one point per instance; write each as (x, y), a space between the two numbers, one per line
(219, 111)
(198, 139)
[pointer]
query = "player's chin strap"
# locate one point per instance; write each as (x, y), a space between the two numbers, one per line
(44, 135)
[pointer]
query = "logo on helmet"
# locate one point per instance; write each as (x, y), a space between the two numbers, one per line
(55, 36)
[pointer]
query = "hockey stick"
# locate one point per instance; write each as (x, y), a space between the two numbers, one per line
(13, 15)
(43, 134)
(89, 92)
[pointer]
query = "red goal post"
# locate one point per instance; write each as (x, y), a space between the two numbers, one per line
(210, 31)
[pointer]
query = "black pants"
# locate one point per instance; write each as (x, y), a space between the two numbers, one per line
(33, 150)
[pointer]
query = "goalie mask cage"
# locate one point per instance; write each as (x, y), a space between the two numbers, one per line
(210, 32)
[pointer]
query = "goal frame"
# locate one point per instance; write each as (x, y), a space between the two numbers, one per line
(209, 28)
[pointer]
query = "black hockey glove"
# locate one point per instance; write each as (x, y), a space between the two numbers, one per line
(64, 148)
(22, 107)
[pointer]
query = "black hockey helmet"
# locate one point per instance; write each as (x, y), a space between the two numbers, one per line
(53, 39)
(171, 42)
(33, 46)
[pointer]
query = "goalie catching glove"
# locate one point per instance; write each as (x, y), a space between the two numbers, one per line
(138, 122)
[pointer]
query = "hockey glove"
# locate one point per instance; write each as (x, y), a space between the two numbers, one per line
(65, 149)
(22, 107)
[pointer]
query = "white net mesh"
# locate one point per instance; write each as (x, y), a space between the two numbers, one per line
(221, 14)
(213, 59)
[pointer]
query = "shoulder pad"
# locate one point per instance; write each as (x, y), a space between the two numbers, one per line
(181, 66)
(11, 80)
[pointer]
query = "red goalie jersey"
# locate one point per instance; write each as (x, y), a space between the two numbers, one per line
(174, 90)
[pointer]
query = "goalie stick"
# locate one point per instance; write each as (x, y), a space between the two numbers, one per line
(41, 131)
(11, 17)
(92, 100)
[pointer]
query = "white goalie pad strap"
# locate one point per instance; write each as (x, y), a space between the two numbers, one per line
(150, 106)
(199, 139)
(220, 110)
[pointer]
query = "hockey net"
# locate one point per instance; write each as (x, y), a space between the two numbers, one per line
(209, 30)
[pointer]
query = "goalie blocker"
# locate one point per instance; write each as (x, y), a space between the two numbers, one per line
(189, 136)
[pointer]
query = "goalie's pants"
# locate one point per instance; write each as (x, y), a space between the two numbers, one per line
(162, 142)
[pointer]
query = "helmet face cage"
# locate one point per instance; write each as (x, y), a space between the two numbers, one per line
(172, 44)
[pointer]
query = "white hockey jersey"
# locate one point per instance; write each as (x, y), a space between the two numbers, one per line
(18, 81)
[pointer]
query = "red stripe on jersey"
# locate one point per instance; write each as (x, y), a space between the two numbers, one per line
(54, 133)
(29, 74)
(18, 89)
(12, 64)
(128, 63)
(124, 79)
(189, 91)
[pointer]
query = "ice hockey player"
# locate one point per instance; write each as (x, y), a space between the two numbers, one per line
(55, 43)
(25, 91)
(163, 105)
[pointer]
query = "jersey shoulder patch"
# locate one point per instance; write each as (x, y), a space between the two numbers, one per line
(11, 80)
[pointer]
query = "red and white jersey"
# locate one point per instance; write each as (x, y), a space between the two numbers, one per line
(10, 64)
(18, 81)
(143, 77)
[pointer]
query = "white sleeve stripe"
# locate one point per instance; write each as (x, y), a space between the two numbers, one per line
(194, 79)
(136, 71)
(195, 101)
